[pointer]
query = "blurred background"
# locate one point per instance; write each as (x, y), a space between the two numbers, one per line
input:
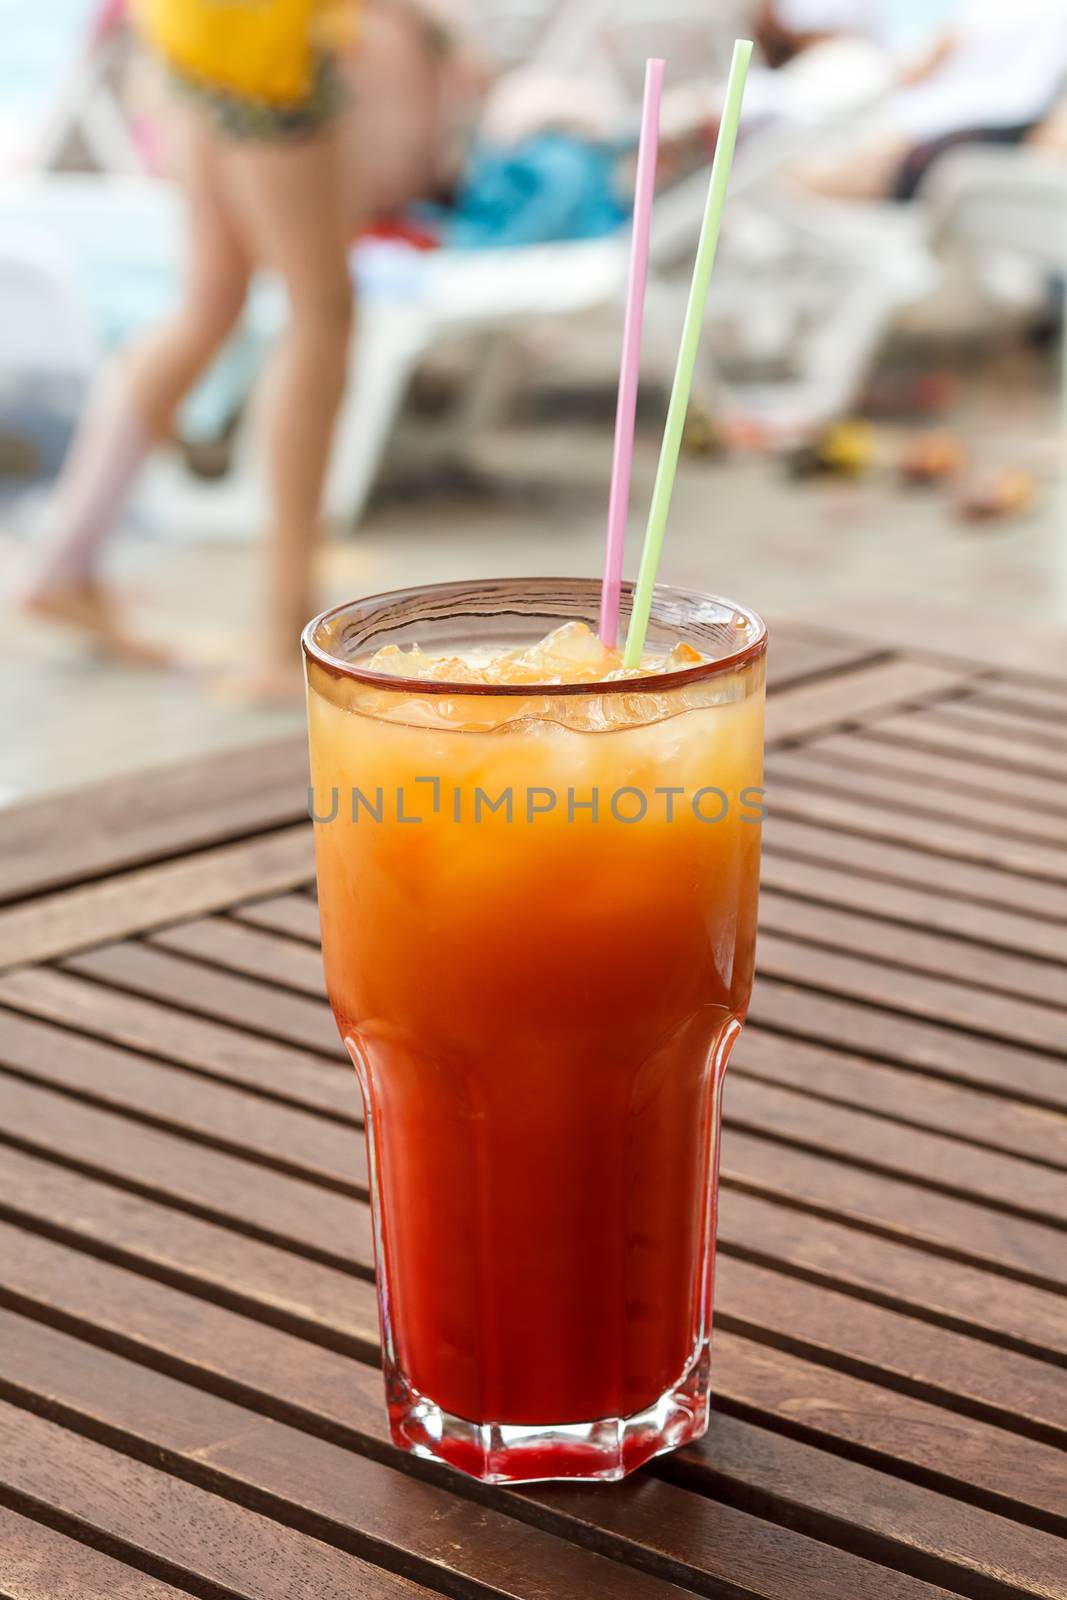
(880, 406)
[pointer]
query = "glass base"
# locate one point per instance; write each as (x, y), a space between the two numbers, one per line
(601, 1451)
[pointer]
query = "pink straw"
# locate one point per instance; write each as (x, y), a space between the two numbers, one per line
(626, 409)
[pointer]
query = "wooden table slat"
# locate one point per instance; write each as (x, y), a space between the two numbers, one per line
(299, 1293)
(212, 992)
(931, 772)
(207, 1183)
(78, 918)
(232, 1119)
(269, 957)
(949, 1166)
(930, 908)
(37, 1563)
(216, 1049)
(181, 1531)
(973, 1008)
(108, 827)
(979, 737)
(983, 1465)
(206, 1259)
(794, 658)
(894, 1274)
(862, 848)
(914, 1041)
(837, 702)
(887, 1516)
(322, 1304)
(292, 914)
(1013, 1391)
(895, 1208)
(1044, 701)
(273, 1216)
(975, 1118)
(840, 774)
(239, 1121)
(1026, 876)
(1018, 730)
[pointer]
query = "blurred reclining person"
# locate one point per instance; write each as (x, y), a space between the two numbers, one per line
(1051, 135)
(992, 75)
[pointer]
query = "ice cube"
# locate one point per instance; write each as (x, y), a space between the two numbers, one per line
(571, 653)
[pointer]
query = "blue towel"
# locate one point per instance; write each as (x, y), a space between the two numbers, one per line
(550, 187)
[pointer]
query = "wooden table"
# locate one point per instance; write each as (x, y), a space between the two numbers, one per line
(188, 1399)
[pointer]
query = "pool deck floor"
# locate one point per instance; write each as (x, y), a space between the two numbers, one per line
(819, 548)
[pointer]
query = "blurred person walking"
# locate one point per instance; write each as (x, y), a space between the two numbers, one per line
(260, 155)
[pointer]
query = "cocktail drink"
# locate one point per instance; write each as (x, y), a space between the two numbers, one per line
(538, 902)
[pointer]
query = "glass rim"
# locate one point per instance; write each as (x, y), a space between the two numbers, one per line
(650, 682)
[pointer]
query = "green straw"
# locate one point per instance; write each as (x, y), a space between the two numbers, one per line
(687, 354)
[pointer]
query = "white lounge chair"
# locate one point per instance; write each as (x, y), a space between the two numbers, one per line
(990, 200)
(87, 114)
(985, 204)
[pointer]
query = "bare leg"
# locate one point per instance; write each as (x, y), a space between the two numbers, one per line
(290, 197)
(134, 405)
(162, 368)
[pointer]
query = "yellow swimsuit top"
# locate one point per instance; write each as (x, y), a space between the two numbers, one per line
(260, 49)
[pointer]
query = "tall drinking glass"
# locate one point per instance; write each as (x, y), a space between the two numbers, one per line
(538, 921)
